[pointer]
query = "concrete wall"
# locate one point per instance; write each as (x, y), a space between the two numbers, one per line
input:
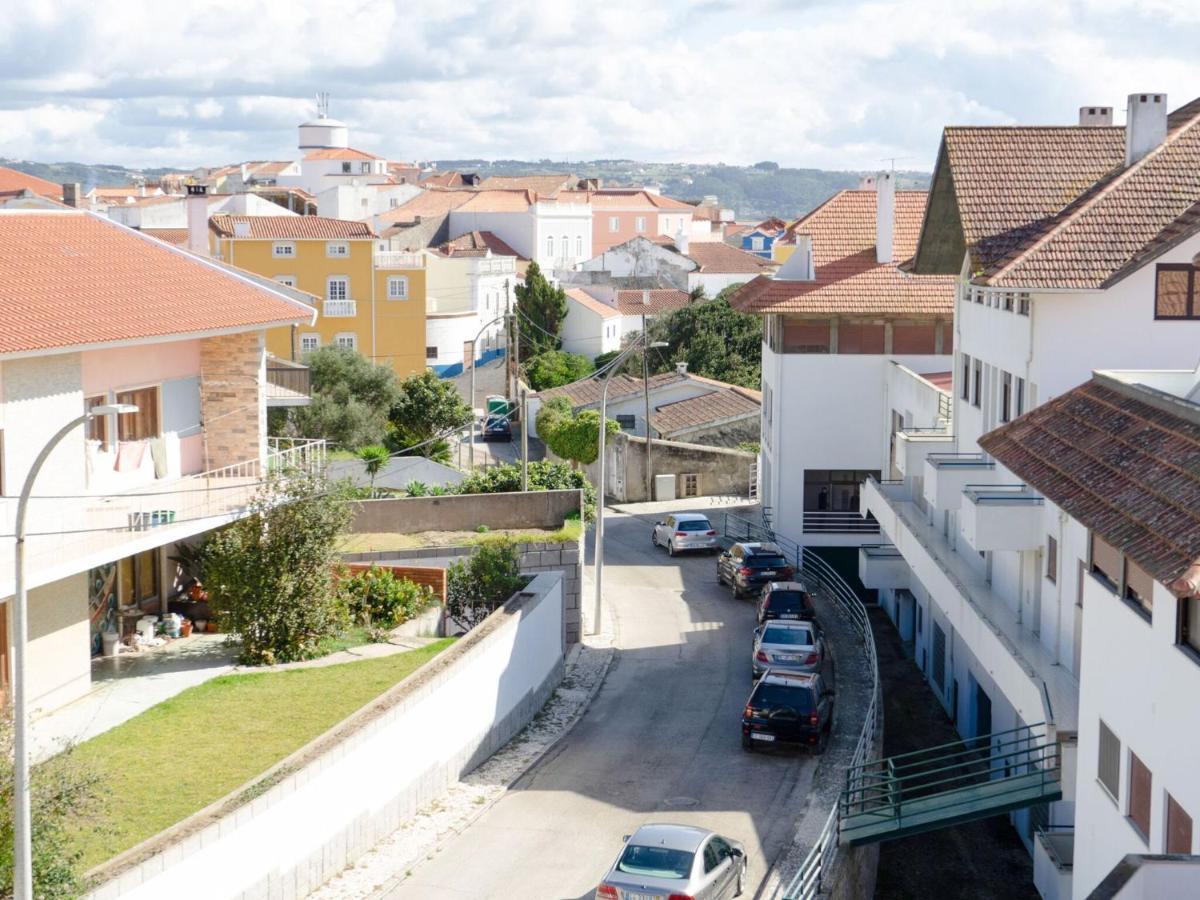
(232, 399)
(725, 434)
(722, 471)
(335, 799)
(465, 512)
(59, 656)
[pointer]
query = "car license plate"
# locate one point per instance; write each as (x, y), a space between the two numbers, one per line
(786, 657)
(789, 615)
(629, 896)
(758, 736)
(768, 573)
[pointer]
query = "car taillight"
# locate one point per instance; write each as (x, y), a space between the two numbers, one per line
(787, 571)
(812, 719)
(811, 660)
(762, 656)
(607, 891)
(711, 533)
(681, 534)
(745, 570)
(748, 712)
(680, 897)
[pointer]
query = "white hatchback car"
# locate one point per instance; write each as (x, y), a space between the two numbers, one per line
(685, 531)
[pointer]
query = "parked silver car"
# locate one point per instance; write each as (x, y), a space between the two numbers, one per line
(685, 531)
(784, 646)
(661, 861)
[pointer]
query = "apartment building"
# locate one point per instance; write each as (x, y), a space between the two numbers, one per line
(620, 214)
(92, 313)
(1109, 487)
(372, 300)
(555, 233)
(852, 348)
(1072, 248)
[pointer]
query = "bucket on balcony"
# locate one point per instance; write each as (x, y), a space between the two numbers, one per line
(110, 643)
(146, 626)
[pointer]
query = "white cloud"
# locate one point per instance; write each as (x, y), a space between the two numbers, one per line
(829, 83)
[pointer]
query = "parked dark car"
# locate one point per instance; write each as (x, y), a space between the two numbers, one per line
(788, 708)
(789, 600)
(497, 428)
(746, 567)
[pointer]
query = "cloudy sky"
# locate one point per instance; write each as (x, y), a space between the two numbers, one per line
(837, 84)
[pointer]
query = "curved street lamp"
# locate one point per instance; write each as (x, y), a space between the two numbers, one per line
(471, 447)
(599, 561)
(22, 830)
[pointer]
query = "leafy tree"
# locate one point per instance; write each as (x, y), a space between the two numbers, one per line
(476, 586)
(543, 308)
(377, 598)
(270, 576)
(350, 400)
(426, 406)
(570, 435)
(375, 457)
(543, 476)
(554, 368)
(64, 795)
(714, 339)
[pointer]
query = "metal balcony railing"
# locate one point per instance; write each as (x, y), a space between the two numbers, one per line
(336, 309)
(399, 259)
(844, 522)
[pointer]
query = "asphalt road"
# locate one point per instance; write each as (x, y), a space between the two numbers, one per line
(660, 742)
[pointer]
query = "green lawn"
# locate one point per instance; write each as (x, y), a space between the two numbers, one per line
(368, 541)
(183, 754)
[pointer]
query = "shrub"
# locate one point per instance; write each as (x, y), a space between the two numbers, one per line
(543, 476)
(477, 585)
(377, 598)
(553, 368)
(416, 488)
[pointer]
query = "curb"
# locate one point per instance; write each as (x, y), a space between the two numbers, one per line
(395, 881)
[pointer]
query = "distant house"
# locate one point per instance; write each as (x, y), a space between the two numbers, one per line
(681, 263)
(592, 326)
(760, 239)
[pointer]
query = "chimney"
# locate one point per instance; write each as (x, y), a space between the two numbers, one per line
(885, 215)
(799, 266)
(681, 241)
(72, 195)
(645, 298)
(866, 183)
(197, 219)
(681, 368)
(1145, 125)
(1095, 116)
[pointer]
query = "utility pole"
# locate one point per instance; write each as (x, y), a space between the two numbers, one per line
(524, 439)
(646, 394)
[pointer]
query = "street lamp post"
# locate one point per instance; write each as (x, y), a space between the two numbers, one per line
(22, 826)
(599, 561)
(471, 446)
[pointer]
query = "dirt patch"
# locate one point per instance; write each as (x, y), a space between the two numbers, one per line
(368, 541)
(982, 860)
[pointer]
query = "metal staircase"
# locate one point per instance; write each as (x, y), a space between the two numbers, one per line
(948, 784)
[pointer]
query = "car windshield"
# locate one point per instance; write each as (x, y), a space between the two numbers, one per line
(496, 422)
(791, 636)
(787, 601)
(693, 525)
(774, 696)
(655, 862)
(759, 561)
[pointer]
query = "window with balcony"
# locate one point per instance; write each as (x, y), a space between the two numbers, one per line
(977, 384)
(337, 288)
(1179, 828)
(1141, 782)
(397, 287)
(806, 335)
(566, 246)
(860, 338)
(337, 249)
(914, 339)
(347, 340)
(1108, 765)
(309, 342)
(965, 387)
(831, 501)
(283, 250)
(1051, 559)
(143, 424)
(550, 246)
(1175, 292)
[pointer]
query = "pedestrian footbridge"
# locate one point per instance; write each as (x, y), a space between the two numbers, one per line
(949, 784)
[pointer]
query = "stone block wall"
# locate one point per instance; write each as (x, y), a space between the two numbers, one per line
(232, 398)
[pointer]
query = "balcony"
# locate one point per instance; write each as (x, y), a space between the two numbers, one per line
(1001, 517)
(1020, 664)
(399, 259)
(1053, 862)
(946, 474)
(73, 533)
(914, 445)
(846, 522)
(340, 309)
(288, 383)
(496, 265)
(882, 566)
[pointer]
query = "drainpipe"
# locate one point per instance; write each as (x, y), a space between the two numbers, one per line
(374, 277)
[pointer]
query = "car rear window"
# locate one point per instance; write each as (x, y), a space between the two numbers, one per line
(759, 561)
(693, 525)
(787, 601)
(656, 862)
(777, 695)
(799, 637)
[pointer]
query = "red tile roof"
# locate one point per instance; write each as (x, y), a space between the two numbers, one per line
(719, 258)
(176, 236)
(291, 228)
(498, 201)
(428, 203)
(636, 303)
(1125, 461)
(11, 180)
(587, 391)
(587, 301)
(849, 280)
(70, 279)
(340, 153)
(477, 243)
(544, 185)
(725, 403)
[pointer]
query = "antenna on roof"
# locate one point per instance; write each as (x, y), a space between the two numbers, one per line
(892, 160)
(322, 104)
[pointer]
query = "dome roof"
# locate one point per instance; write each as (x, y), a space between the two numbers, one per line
(323, 123)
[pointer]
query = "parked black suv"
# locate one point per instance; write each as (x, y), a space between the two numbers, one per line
(745, 567)
(787, 708)
(497, 428)
(787, 600)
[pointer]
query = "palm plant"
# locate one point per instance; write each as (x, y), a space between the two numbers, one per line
(374, 457)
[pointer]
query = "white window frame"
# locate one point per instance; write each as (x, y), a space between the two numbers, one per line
(756, 243)
(283, 250)
(313, 339)
(579, 245)
(365, 168)
(402, 282)
(337, 249)
(614, 223)
(346, 339)
(566, 246)
(337, 279)
(286, 280)
(550, 246)
(639, 224)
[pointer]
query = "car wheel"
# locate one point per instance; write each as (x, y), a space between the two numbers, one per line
(670, 547)
(747, 744)
(740, 886)
(720, 576)
(823, 740)
(654, 539)
(737, 595)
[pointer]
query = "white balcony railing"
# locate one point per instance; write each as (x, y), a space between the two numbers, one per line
(498, 265)
(399, 259)
(67, 534)
(843, 522)
(340, 309)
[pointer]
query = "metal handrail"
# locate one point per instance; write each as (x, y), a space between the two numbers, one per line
(1023, 729)
(992, 763)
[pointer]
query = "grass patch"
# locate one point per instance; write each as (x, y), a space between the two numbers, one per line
(368, 541)
(188, 751)
(354, 636)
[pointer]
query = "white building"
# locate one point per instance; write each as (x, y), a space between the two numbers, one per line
(327, 160)
(852, 348)
(677, 262)
(363, 200)
(555, 234)
(1113, 463)
(169, 211)
(1074, 249)
(592, 326)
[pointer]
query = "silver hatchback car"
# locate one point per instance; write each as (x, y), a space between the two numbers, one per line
(685, 531)
(783, 646)
(661, 861)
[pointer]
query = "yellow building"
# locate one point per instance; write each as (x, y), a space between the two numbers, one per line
(371, 300)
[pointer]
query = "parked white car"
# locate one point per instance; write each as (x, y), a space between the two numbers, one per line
(663, 861)
(685, 531)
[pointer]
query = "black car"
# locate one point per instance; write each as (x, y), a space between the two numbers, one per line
(788, 708)
(786, 600)
(746, 567)
(497, 428)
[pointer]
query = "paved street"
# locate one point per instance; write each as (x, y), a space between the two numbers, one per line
(659, 743)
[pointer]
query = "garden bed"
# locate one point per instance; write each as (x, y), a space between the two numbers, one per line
(374, 541)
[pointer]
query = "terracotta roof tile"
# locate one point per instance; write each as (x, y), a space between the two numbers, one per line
(291, 228)
(11, 180)
(587, 391)
(849, 279)
(587, 301)
(728, 402)
(477, 243)
(718, 257)
(498, 201)
(340, 153)
(427, 204)
(72, 278)
(630, 303)
(1122, 462)
(176, 236)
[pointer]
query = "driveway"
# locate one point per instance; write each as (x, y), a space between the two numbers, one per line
(661, 742)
